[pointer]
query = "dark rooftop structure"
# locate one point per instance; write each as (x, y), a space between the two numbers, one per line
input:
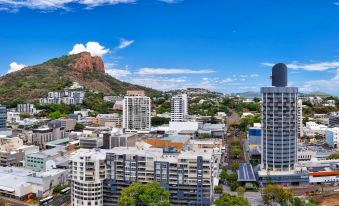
(246, 173)
(279, 75)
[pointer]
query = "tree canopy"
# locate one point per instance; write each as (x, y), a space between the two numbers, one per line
(227, 199)
(275, 193)
(150, 194)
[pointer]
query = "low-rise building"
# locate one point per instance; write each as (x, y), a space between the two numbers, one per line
(64, 97)
(13, 117)
(26, 108)
(110, 120)
(312, 129)
(332, 136)
(42, 135)
(20, 183)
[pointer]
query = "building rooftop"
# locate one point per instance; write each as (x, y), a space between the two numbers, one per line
(246, 173)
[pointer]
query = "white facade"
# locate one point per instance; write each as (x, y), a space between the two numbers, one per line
(64, 97)
(179, 108)
(13, 117)
(313, 129)
(137, 113)
(26, 108)
(332, 136)
(182, 126)
(88, 171)
(300, 118)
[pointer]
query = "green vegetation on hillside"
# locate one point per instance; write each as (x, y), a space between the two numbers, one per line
(35, 82)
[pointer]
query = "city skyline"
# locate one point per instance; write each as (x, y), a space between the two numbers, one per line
(167, 44)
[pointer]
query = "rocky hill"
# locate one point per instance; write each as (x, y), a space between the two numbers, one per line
(33, 82)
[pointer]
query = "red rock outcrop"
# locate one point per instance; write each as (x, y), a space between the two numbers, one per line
(86, 63)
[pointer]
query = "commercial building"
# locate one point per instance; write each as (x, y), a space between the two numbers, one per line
(113, 120)
(212, 130)
(179, 108)
(88, 172)
(312, 129)
(90, 142)
(26, 108)
(46, 160)
(332, 136)
(41, 136)
(136, 112)
(64, 97)
(334, 119)
(20, 183)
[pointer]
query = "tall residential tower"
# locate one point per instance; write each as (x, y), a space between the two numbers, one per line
(279, 123)
(179, 108)
(136, 112)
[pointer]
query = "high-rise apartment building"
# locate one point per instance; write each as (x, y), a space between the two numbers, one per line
(279, 123)
(179, 108)
(88, 172)
(99, 176)
(136, 112)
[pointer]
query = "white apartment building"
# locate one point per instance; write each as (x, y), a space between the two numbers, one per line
(179, 108)
(64, 97)
(88, 172)
(98, 176)
(26, 108)
(332, 136)
(137, 113)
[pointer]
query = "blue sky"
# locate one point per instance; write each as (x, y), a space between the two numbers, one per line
(223, 45)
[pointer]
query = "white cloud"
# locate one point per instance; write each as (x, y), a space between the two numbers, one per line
(321, 66)
(164, 71)
(336, 3)
(328, 85)
(57, 4)
(13, 67)
(254, 75)
(92, 47)
(170, 1)
(125, 43)
(118, 72)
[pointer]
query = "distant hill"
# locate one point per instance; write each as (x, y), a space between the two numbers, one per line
(248, 94)
(33, 82)
(318, 93)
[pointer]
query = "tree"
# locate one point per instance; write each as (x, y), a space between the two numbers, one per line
(223, 174)
(240, 191)
(275, 193)
(157, 121)
(151, 194)
(79, 127)
(218, 189)
(55, 115)
(234, 166)
(227, 199)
